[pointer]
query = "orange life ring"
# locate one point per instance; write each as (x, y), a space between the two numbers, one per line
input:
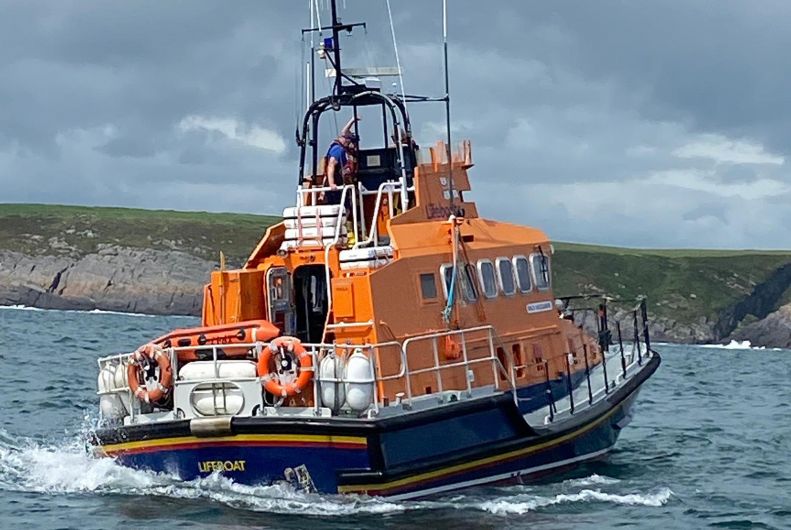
(157, 354)
(271, 383)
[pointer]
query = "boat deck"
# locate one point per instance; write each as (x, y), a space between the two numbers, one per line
(602, 380)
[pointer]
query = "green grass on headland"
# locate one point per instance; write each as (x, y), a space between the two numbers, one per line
(683, 284)
(79, 230)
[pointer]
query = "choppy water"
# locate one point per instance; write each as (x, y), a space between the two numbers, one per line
(709, 447)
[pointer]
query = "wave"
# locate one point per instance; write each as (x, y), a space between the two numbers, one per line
(38, 467)
(591, 481)
(523, 504)
(735, 345)
(52, 469)
(93, 312)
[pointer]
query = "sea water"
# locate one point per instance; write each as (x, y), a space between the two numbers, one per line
(710, 446)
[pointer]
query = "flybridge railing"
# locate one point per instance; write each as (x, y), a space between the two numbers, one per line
(354, 194)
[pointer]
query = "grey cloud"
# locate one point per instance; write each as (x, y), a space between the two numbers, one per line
(575, 109)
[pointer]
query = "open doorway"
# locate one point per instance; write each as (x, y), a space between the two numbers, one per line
(310, 301)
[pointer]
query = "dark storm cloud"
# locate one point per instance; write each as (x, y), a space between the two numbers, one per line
(639, 123)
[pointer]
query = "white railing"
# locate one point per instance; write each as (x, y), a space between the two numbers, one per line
(356, 193)
(318, 351)
(437, 369)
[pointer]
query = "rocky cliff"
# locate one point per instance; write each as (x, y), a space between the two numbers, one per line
(157, 262)
(114, 278)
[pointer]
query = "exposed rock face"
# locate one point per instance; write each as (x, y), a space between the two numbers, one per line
(171, 282)
(115, 278)
(772, 331)
(762, 301)
(659, 329)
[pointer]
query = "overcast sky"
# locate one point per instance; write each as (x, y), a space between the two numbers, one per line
(652, 124)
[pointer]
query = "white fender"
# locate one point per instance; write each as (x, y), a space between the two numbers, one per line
(120, 380)
(111, 406)
(199, 370)
(106, 379)
(359, 384)
(112, 377)
(332, 393)
(225, 401)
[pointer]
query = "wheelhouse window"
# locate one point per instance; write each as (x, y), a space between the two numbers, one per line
(522, 268)
(505, 276)
(540, 263)
(428, 286)
(446, 273)
(467, 281)
(469, 285)
(487, 278)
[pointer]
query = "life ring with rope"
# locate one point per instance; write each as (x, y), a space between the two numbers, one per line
(285, 346)
(140, 364)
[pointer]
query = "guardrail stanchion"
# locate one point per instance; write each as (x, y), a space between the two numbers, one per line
(466, 364)
(644, 315)
(620, 346)
(637, 338)
(548, 392)
(588, 373)
(437, 371)
(568, 383)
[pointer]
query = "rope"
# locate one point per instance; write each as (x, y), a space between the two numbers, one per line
(448, 311)
(398, 60)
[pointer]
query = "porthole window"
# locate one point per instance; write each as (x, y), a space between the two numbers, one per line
(428, 286)
(505, 276)
(487, 278)
(523, 280)
(540, 263)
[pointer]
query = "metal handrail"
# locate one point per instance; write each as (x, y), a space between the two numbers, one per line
(594, 397)
(437, 368)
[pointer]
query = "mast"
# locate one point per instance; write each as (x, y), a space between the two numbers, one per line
(447, 103)
(336, 48)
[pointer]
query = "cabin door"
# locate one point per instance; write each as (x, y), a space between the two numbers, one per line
(310, 297)
(280, 299)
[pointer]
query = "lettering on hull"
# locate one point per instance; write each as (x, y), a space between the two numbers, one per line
(210, 466)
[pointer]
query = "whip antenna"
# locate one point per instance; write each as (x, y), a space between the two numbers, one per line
(451, 190)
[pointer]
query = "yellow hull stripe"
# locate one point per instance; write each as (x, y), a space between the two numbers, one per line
(358, 488)
(240, 438)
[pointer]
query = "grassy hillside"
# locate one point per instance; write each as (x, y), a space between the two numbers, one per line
(682, 284)
(78, 230)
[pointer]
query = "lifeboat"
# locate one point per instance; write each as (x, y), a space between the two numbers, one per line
(411, 347)
(198, 344)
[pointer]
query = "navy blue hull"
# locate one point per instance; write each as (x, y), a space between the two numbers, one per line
(252, 465)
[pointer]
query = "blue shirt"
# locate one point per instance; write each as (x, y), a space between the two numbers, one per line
(338, 153)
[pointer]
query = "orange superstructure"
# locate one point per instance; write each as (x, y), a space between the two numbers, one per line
(398, 285)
